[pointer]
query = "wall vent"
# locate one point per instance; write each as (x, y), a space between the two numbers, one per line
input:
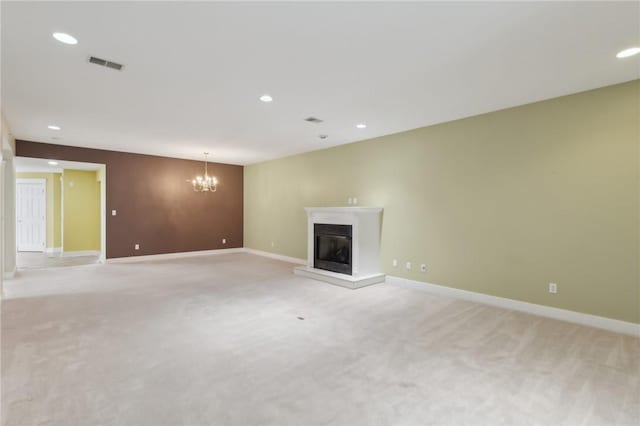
(103, 62)
(313, 120)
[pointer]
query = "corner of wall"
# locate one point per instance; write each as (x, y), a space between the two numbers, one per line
(7, 202)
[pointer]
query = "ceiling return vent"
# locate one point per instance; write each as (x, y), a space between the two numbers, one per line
(103, 62)
(313, 120)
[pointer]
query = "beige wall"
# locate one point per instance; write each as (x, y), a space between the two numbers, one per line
(501, 203)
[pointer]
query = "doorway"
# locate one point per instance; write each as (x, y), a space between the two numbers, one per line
(69, 208)
(31, 219)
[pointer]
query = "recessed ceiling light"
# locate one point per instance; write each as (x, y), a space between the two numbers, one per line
(266, 98)
(361, 126)
(65, 38)
(52, 127)
(52, 163)
(323, 136)
(628, 52)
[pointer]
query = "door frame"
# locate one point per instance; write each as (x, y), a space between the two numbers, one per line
(43, 182)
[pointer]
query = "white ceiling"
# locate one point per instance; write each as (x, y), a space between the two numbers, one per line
(38, 165)
(194, 71)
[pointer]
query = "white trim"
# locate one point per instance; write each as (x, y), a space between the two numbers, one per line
(62, 211)
(53, 250)
(350, 210)
(81, 253)
(103, 212)
(289, 259)
(516, 305)
(42, 181)
(178, 255)
(8, 275)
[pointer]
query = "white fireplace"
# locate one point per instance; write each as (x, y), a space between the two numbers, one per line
(343, 246)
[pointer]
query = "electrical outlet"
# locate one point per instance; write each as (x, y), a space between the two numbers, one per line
(394, 262)
(553, 288)
(355, 200)
(349, 200)
(136, 247)
(273, 244)
(423, 268)
(113, 212)
(408, 265)
(224, 241)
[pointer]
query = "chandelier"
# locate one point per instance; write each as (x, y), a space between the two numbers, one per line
(205, 183)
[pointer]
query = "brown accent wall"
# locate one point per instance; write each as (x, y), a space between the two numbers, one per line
(155, 205)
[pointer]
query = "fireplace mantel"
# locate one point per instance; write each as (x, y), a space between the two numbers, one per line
(366, 223)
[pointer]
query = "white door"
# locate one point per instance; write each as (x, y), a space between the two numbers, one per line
(31, 214)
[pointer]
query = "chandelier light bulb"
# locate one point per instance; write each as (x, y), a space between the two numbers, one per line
(205, 183)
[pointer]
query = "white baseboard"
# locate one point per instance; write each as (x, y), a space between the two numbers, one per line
(53, 250)
(173, 255)
(80, 253)
(516, 305)
(9, 275)
(289, 259)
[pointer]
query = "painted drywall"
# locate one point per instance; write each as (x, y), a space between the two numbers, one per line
(155, 205)
(503, 203)
(53, 214)
(8, 194)
(80, 210)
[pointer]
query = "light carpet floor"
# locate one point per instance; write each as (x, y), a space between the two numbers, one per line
(217, 340)
(35, 260)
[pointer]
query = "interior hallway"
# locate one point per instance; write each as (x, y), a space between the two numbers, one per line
(238, 339)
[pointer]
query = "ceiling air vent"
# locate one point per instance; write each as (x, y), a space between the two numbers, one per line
(313, 120)
(103, 62)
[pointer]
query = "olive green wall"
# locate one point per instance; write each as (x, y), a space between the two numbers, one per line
(501, 203)
(54, 218)
(81, 211)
